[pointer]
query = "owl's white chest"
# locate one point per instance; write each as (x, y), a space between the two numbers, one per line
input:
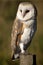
(26, 34)
(27, 31)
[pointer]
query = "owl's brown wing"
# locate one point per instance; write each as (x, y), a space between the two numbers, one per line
(16, 30)
(14, 33)
(20, 32)
(15, 36)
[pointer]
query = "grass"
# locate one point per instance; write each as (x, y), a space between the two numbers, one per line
(41, 43)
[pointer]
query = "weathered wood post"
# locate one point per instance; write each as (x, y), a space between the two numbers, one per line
(27, 59)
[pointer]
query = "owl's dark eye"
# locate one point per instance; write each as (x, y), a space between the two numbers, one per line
(27, 11)
(20, 10)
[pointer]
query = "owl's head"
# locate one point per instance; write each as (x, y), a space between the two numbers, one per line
(25, 11)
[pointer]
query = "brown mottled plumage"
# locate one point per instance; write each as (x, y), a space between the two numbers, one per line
(16, 34)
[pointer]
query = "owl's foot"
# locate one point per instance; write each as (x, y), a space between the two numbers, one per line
(22, 51)
(22, 48)
(15, 57)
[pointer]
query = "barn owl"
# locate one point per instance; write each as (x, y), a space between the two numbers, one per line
(23, 29)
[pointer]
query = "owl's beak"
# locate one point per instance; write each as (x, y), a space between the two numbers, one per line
(23, 14)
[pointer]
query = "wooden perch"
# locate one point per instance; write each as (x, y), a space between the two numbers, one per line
(27, 59)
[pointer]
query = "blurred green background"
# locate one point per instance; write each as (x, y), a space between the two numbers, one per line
(8, 9)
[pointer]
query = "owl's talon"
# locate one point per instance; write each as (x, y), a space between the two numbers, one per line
(22, 51)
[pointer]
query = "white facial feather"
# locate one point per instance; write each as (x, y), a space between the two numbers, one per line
(25, 11)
